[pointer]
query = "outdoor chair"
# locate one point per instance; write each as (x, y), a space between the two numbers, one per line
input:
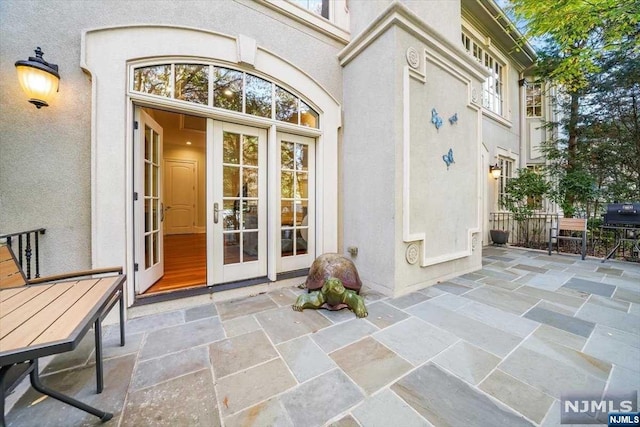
(573, 225)
(12, 276)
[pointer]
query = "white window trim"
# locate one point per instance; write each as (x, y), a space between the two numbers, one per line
(107, 60)
(502, 154)
(542, 99)
(336, 27)
(485, 43)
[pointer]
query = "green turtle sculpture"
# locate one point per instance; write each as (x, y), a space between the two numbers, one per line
(333, 283)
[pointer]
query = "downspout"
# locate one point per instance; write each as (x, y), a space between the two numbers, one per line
(522, 107)
(522, 111)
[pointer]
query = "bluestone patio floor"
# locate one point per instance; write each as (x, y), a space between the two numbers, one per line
(497, 347)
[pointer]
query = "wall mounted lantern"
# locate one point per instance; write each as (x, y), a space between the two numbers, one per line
(38, 78)
(495, 171)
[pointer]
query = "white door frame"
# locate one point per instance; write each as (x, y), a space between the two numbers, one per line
(295, 262)
(107, 60)
(148, 223)
(217, 271)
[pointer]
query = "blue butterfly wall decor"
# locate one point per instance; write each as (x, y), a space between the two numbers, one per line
(453, 119)
(436, 119)
(448, 158)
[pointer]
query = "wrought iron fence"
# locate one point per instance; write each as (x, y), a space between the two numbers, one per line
(532, 232)
(26, 247)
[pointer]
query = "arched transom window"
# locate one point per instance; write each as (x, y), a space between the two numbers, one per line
(226, 88)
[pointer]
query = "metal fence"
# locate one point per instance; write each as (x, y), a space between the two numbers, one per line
(532, 232)
(26, 247)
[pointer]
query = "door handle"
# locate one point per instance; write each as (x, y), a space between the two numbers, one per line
(215, 212)
(161, 212)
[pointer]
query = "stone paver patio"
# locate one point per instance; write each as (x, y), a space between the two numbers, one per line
(495, 347)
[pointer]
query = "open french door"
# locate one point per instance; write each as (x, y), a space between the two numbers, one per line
(149, 208)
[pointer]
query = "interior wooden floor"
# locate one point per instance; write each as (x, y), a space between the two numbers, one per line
(185, 263)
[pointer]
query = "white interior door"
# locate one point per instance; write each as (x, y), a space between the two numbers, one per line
(149, 208)
(237, 202)
(179, 196)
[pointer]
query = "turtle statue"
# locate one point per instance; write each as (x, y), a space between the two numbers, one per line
(333, 283)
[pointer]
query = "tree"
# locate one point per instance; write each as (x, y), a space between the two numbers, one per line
(577, 36)
(523, 192)
(522, 196)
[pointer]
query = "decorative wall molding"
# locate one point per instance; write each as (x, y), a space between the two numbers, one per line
(397, 14)
(413, 57)
(453, 68)
(412, 253)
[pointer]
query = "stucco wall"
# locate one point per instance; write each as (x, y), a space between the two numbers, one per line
(45, 155)
(398, 190)
(442, 15)
(369, 161)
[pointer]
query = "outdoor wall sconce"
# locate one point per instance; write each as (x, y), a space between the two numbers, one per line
(495, 171)
(38, 78)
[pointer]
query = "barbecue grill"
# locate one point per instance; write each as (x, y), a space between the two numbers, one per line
(624, 220)
(623, 214)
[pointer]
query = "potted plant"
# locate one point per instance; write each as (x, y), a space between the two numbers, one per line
(499, 237)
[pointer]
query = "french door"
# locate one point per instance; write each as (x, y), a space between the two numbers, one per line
(237, 202)
(255, 227)
(149, 211)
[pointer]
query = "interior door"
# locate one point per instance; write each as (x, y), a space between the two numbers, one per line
(179, 196)
(237, 208)
(149, 208)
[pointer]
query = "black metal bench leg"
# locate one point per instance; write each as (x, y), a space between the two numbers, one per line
(121, 317)
(99, 375)
(37, 385)
(3, 373)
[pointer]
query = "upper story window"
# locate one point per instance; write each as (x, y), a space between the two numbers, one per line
(534, 99)
(225, 88)
(493, 87)
(319, 7)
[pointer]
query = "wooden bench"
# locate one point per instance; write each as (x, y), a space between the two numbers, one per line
(12, 276)
(572, 225)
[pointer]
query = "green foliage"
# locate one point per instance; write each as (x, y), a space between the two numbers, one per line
(522, 191)
(578, 32)
(592, 53)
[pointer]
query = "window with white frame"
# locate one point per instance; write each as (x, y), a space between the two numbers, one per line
(506, 173)
(493, 87)
(534, 99)
(319, 7)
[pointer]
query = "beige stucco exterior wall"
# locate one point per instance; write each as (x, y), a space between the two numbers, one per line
(45, 155)
(399, 193)
(441, 15)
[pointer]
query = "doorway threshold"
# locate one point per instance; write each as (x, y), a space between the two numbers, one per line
(204, 290)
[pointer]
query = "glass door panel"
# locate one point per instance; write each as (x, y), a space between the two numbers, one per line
(239, 200)
(149, 216)
(297, 211)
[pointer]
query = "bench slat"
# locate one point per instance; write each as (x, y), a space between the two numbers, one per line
(572, 224)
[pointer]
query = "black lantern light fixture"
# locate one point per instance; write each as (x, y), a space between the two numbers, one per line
(495, 171)
(38, 78)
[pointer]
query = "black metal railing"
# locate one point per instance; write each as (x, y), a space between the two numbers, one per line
(532, 232)
(26, 247)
